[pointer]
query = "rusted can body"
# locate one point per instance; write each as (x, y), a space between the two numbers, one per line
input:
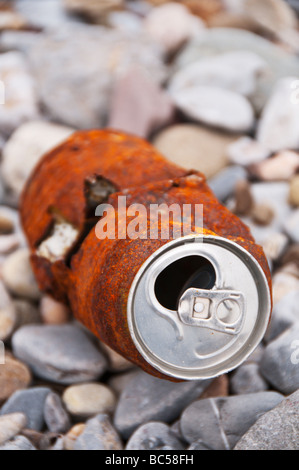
(185, 306)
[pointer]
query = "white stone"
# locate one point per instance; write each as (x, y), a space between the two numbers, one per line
(235, 71)
(246, 151)
(7, 314)
(279, 124)
(216, 107)
(10, 425)
(18, 276)
(25, 148)
(18, 101)
(171, 25)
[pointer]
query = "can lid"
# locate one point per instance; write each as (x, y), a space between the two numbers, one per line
(198, 307)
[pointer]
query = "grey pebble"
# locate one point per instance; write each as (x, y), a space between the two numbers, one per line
(247, 379)
(277, 429)
(154, 436)
(199, 445)
(291, 226)
(18, 443)
(280, 362)
(220, 422)
(99, 434)
(60, 353)
(31, 403)
(285, 314)
(147, 398)
(223, 184)
(55, 415)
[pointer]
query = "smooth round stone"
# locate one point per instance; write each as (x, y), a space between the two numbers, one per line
(247, 379)
(281, 167)
(33, 139)
(263, 214)
(60, 353)
(56, 418)
(294, 191)
(216, 107)
(247, 151)
(53, 312)
(7, 314)
(6, 224)
(171, 25)
(154, 436)
(86, 400)
(197, 147)
(18, 276)
(14, 375)
(10, 425)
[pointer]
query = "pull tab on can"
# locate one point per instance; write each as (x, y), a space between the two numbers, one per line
(218, 310)
(198, 308)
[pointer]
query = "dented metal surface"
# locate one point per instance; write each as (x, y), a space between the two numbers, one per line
(95, 276)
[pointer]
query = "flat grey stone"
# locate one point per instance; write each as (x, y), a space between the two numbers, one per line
(280, 362)
(223, 184)
(277, 429)
(31, 403)
(99, 434)
(247, 379)
(220, 422)
(60, 353)
(154, 436)
(147, 398)
(18, 443)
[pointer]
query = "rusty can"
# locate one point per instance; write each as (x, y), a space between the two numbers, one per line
(193, 304)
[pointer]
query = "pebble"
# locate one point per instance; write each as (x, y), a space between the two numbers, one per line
(274, 16)
(275, 245)
(70, 59)
(14, 375)
(53, 312)
(93, 10)
(280, 361)
(118, 382)
(171, 25)
(18, 100)
(220, 422)
(281, 167)
(284, 282)
(224, 183)
(117, 363)
(7, 314)
(243, 198)
(291, 226)
(198, 445)
(59, 353)
(10, 425)
(18, 443)
(154, 436)
(26, 312)
(99, 434)
(31, 403)
(32, 140)
(262, 214)
(291, 255)
(234, 71)
(86, 400)
(278, 429)
(247, 379)
(294, 191)
(18, 276)
(216, 107)
(147, 398)
(284, 315)
(56, 418)
(279, 122)
(192, 146)
(246, 151)
(73, 434)
(6, 224)
(152, 106)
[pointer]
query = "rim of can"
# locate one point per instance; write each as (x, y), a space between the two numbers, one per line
(260, 326)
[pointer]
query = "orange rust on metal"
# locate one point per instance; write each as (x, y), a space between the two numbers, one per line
(97, 278)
